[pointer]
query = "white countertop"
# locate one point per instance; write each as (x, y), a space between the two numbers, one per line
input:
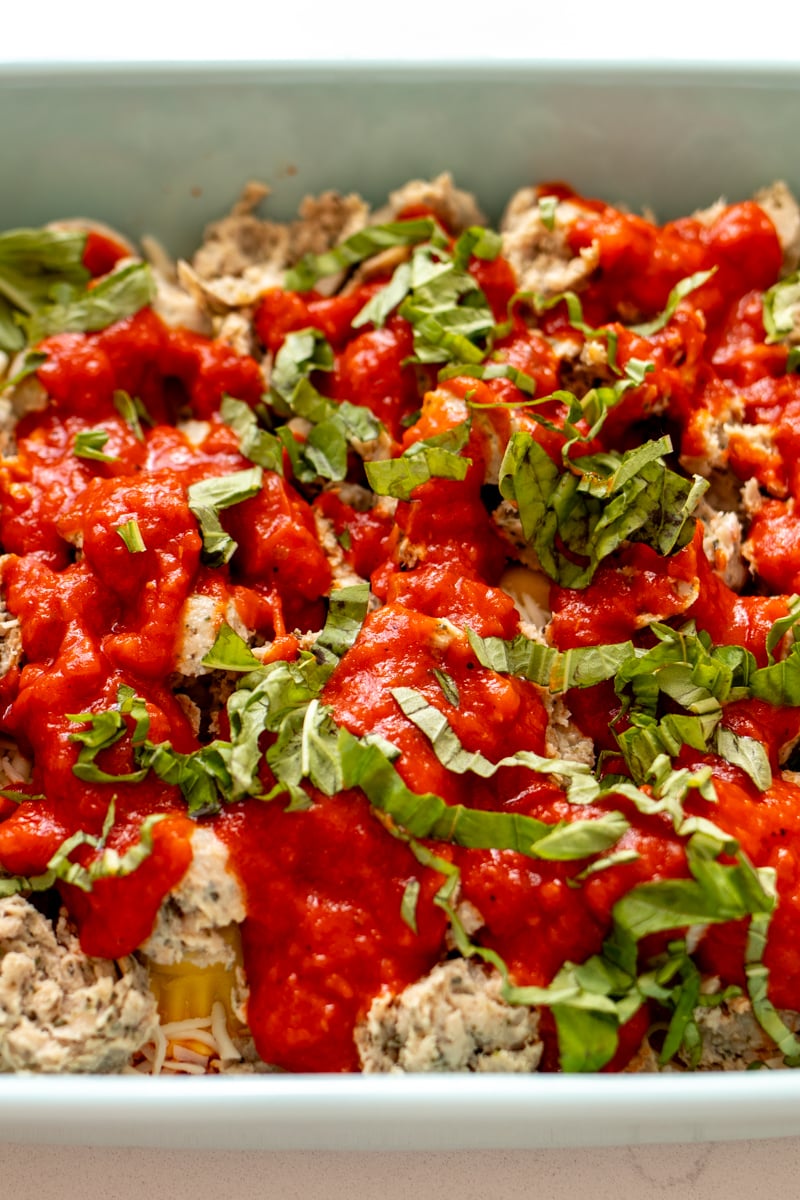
(88, 30)
(722, 1171)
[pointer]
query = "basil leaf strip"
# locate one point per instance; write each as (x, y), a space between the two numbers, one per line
(89, 443)
(596, 504)
(30, 364)
(779, 306)
(358, 247)
(132, 536)
(437, 457)
(556, 670)
(448, 685)
(207, 497)
(681, 290)
(426, 815)
(452, 755)
(440, 299)
(256, 444)
(83, 310)
(347, 608)
(335, 424)
(133, 412)
(230, 652)
(490, 370)
(32, 263)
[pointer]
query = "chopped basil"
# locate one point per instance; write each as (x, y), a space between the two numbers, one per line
(303, 351)
(408, 905)
(334, 424)
(30, 365)
(230, 652)
(594, 504)
(606, 988)
(558, 671)
(133, 412)
(782, 626)
(366, 766)
(89, 443)
(207, 497)
(347, 608)
(440, 299)
(437, 457)
(34, 263)
(307, 747)
(109, 863)
(255, 444)
(779, 683)
(476, 242)
(547, 211)
(83, 310)
(779, 306)
(615, 859)
(681, 290)
(360, 246)
(14, 885)
(106, 729)
(757, 975)
(747, 753)
(132, 536)
(490, 370)
(201, 775)
(448, 685)
(446, 309)
(452, 755)
(380, 306)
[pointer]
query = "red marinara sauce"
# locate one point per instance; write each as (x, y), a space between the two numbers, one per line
(325, 931)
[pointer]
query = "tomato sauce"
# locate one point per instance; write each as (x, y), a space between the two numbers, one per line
(325, 931)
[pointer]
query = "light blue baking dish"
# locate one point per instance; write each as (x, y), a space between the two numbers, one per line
(162, 149)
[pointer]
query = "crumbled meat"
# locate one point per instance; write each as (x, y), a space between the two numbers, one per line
(563, 739)
(782, 209)
(733, 1039)
(195, 919)
(752, 499)
(530, 591)
(452, 1020)
(174, 304)
(242, 256)
(583, 365)
(241, 239)
(708, 216)
(342, 573)
(509, 526)
(324, 221)
(457, 210)
(722, 544)
(201, 620)
(59, 1009)
(714, 430)
(541, 256)
(10, 639)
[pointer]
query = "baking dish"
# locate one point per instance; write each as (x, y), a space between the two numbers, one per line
(163, 149)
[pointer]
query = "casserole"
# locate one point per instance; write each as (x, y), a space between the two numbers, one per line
(125, 147)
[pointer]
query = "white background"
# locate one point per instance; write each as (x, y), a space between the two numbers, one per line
(316, 30)
(354, 29)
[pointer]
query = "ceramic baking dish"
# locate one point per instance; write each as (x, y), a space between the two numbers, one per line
(161, 150)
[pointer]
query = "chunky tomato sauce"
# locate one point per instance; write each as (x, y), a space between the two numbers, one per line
(324, 884)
